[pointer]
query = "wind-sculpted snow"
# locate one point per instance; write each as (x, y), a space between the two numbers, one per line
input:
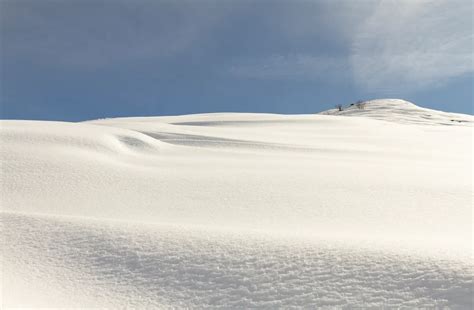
(120, 265)
(239, 211)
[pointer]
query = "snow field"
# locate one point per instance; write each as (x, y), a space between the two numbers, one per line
(240, 210)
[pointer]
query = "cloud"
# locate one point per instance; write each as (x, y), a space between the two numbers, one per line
(394, 46)
(381, 45)
(413, 44)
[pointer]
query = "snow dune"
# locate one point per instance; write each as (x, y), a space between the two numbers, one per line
(240, 210)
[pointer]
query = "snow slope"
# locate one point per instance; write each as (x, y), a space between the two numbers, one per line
(239, 210)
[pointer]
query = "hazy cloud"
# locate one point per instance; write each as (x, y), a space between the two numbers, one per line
(412, 44)
(394, 46)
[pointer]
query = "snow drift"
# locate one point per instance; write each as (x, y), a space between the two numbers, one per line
(240, 210)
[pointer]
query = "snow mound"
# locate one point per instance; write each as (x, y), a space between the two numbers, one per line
(401, 111)
(237, 210)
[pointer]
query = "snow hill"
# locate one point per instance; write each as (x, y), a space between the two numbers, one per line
(401, 111)
(234, 210)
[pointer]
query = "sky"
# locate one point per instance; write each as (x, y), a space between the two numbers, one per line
(75, 60)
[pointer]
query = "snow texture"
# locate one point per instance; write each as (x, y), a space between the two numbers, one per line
(232, 210)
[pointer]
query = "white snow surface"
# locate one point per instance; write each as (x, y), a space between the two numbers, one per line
(233, 210)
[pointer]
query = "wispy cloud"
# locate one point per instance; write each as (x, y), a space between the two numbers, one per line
(412, 44)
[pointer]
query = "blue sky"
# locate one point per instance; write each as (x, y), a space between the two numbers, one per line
(78, 60)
